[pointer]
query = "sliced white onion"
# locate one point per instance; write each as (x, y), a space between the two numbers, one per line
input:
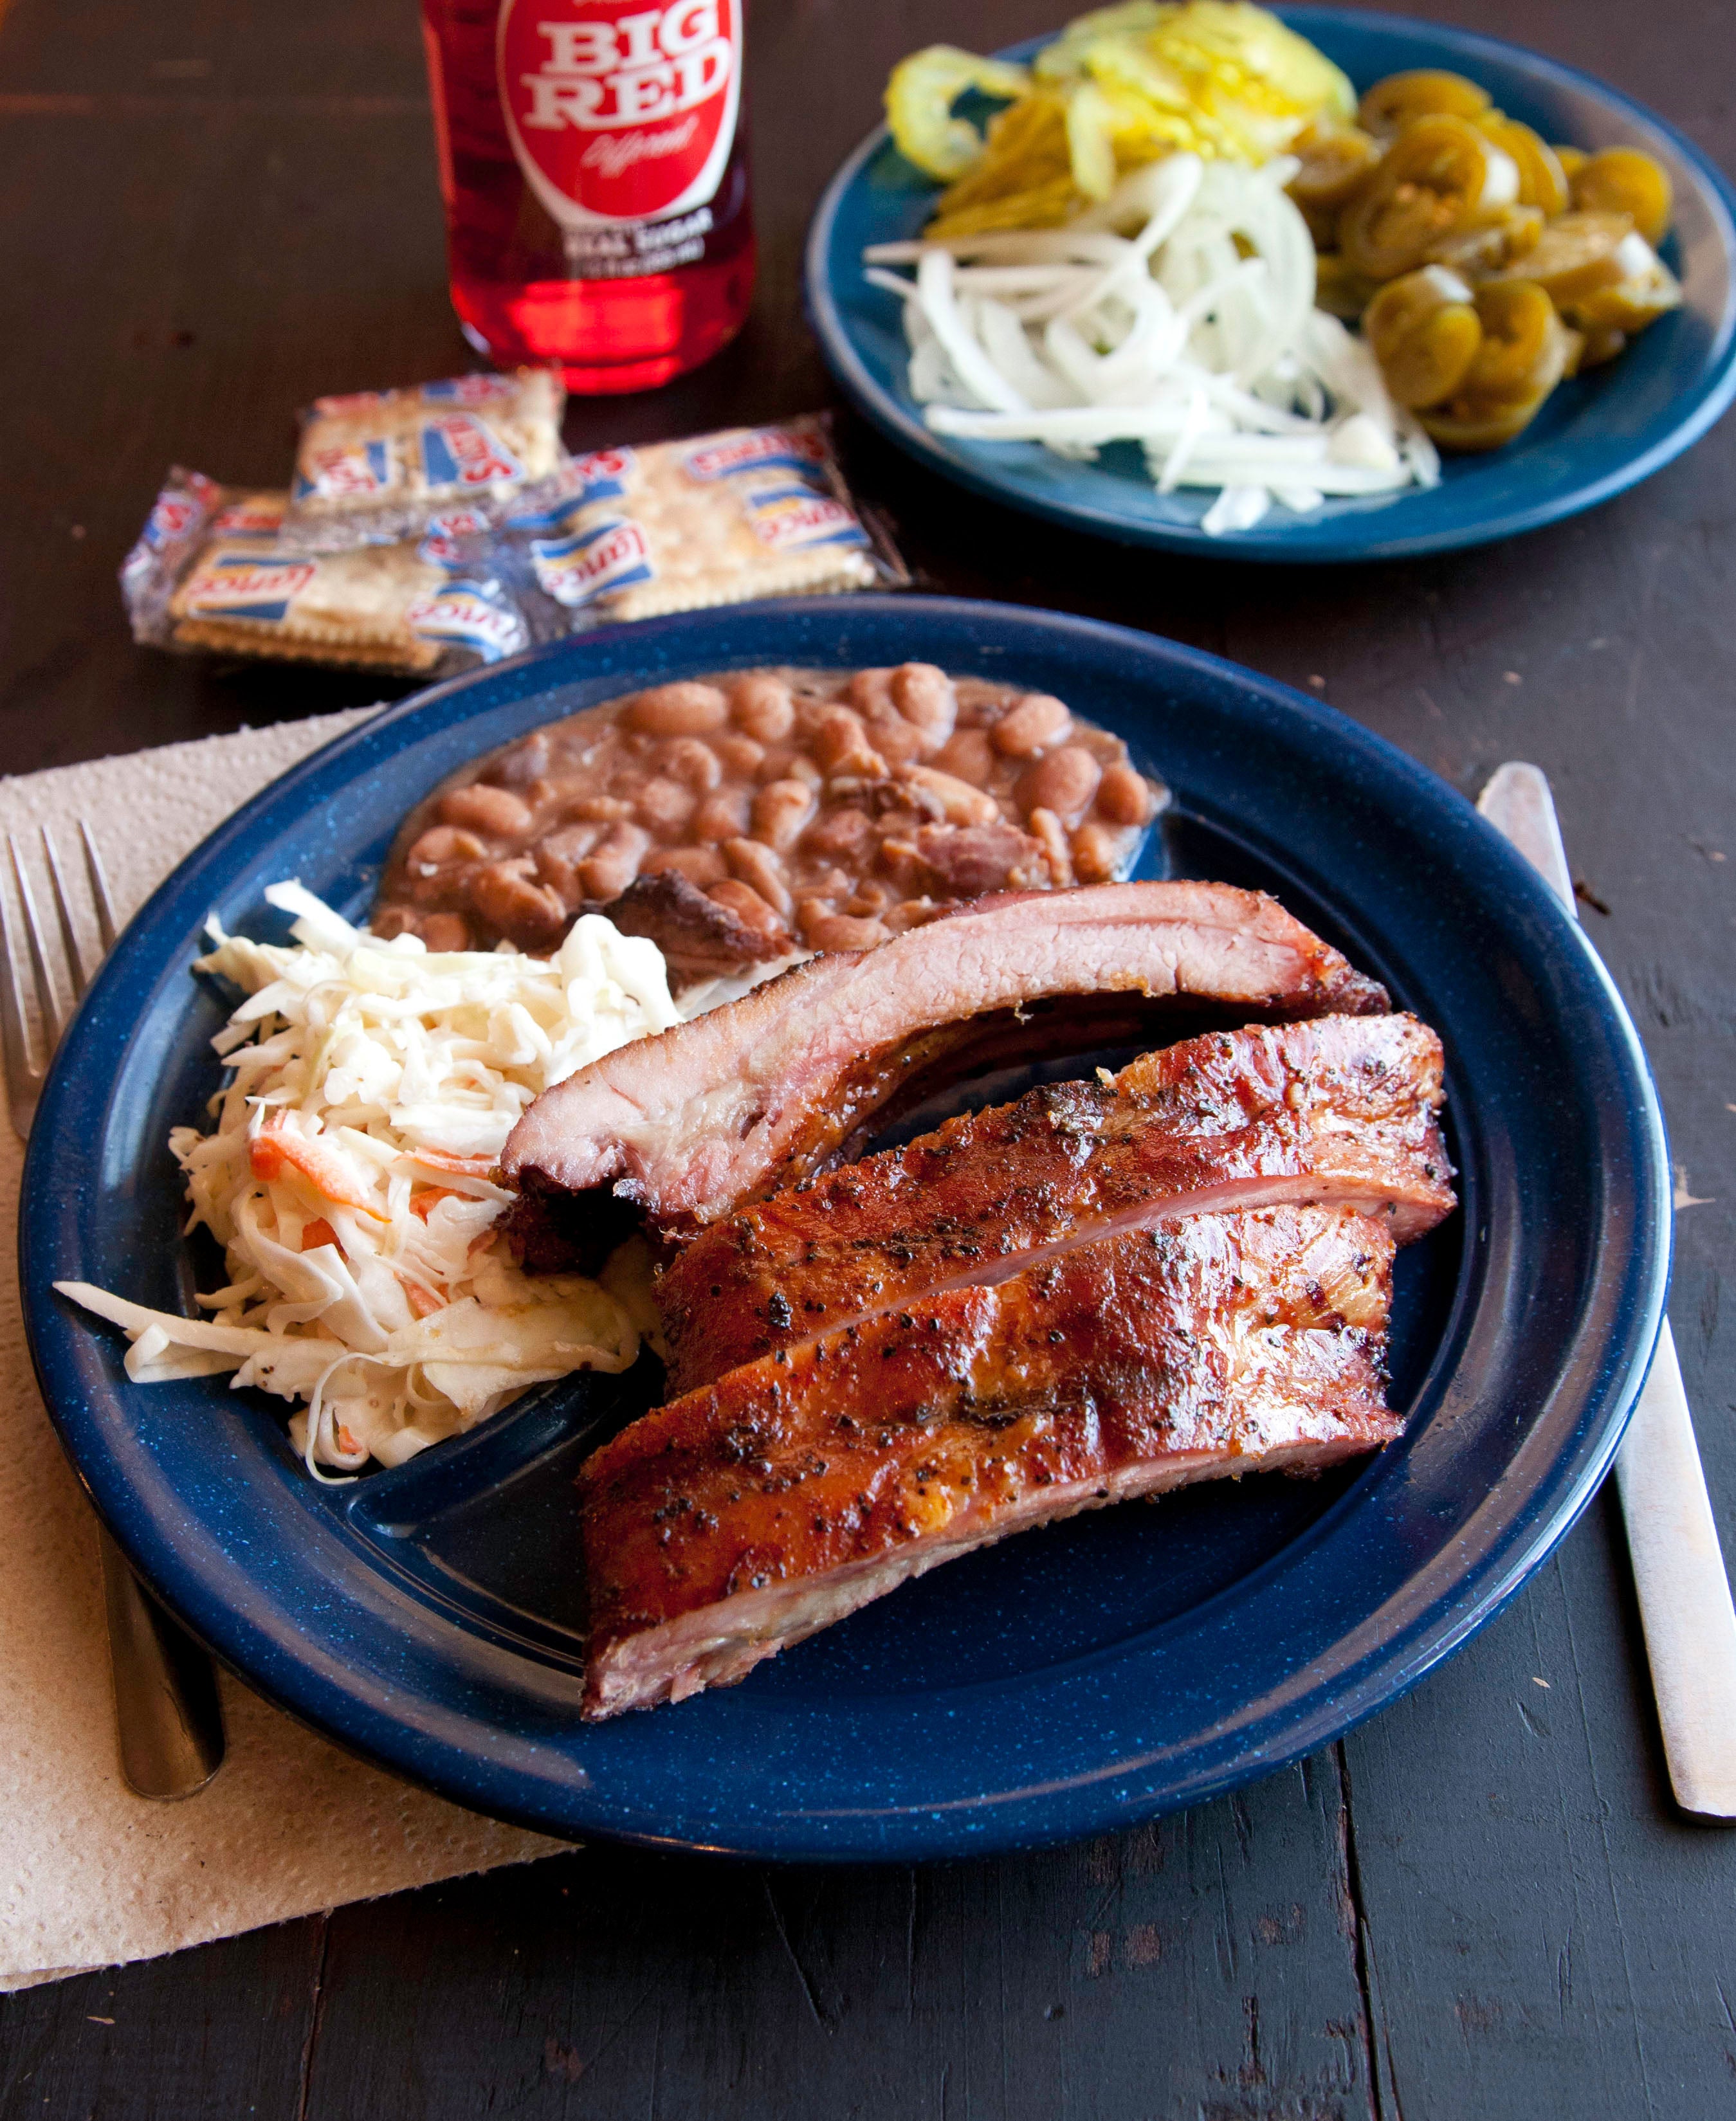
(1179, 314)
(1236, 508)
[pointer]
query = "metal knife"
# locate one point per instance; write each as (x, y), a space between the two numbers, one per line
(1684, 1592)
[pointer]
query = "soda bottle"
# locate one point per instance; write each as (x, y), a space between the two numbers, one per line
(593, 167)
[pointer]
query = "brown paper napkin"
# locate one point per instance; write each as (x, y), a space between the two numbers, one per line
(90, 1875)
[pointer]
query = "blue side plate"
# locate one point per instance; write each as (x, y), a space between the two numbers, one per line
(1596, 437)
(1069, 1682)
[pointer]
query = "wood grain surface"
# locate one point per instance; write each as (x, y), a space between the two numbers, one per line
(1481, 1904)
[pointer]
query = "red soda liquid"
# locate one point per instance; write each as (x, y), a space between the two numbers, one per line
(596, 179)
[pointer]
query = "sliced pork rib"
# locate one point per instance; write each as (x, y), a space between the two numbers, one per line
(687, 1125)
(750, 1513)
(1339, 1112)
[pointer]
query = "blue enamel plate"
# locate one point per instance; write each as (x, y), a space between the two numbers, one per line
(1596, 437)
(1072, 1681)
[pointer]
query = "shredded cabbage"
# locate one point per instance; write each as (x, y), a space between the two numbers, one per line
(371, 1087)
(1179, 314)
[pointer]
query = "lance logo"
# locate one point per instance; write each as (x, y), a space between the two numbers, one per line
(793, 520)
(756, 449)
(342, 471)
(262, 517)
(620, 112)
(470, 617)
(460, 450)
(440, 541)
(609, 556)
(239, 588)
(178, 508)
(469, 391)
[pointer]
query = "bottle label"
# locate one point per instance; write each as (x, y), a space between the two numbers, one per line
(621, 111)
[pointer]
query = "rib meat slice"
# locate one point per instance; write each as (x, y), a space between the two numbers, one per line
(763, 1091)
(1337, 1112)
(747, 1515)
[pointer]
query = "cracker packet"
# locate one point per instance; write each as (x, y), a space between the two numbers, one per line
(627, 533)
(216, 571)
(372, 466)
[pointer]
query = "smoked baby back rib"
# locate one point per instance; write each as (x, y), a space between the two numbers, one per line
(1339, 1110)
(764, 1090)
(749, 1514)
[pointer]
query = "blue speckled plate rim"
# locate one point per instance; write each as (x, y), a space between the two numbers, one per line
(310, 1682)
(1359, 536)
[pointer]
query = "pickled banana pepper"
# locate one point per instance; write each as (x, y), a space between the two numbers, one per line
(1484, 263)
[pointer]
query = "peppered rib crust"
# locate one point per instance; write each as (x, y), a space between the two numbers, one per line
(750, 1513)
(1340, 1111)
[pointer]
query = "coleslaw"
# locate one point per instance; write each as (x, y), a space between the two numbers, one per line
(371, 1087)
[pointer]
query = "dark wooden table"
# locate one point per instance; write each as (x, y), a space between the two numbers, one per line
(1479, 1904)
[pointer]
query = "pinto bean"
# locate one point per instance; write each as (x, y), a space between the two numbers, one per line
(608, 872)
(909, 913)
(923, 695)
(446, 931)
(899, 858)
(527, 760)
(562, 876)
(665, 805)
(1094, 854)
(1063, 781)
(780, 812)
(685, 709)
(841, 745)
(700, 865)
(842, 835)
(752, 910)
(692, 761)
(1123, 796)
(495, 811)
(723, 816)
(559, 857)
(741, 756)
(897, 740)
(869, 692)
(1038, 721)
(761, 707)
(967, 756)
(754, 863)
(573, 842)
(441, 843)
(959, 802)
(788, 761)
(439, 887)
(527, 914)
(827, 930)
(392, 920)
(1047, 829)
(599, 809)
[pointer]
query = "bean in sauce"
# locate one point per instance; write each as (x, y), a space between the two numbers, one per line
(745, 818)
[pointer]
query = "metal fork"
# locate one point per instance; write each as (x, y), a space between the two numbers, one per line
(167, 1714)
